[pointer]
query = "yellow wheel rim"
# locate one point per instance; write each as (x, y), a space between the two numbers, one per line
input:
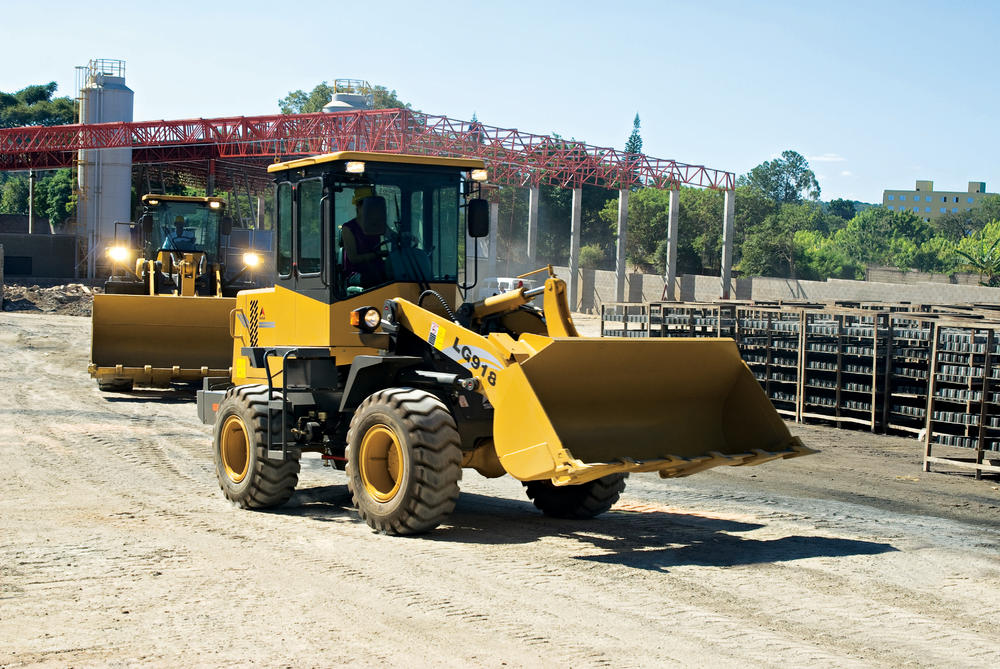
(234, 447)
(380, 463)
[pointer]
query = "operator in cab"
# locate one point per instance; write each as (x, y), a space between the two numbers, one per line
(363, 255)
(181, 238)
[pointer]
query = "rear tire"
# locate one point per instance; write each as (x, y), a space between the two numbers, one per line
(585, 500)
(246, 476)
(403, 461)
(115, 386)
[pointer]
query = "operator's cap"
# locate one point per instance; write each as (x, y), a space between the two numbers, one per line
(361, 193)
(178, 219)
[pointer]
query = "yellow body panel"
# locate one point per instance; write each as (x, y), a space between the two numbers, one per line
(156, 339)
(281, 317)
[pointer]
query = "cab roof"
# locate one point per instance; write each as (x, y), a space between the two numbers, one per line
(366, 156)
(181, 198)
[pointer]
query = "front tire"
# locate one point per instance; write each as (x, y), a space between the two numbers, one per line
(584, 500)
(247, 477)
(403, 461)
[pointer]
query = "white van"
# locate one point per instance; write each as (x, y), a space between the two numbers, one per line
(495, 285)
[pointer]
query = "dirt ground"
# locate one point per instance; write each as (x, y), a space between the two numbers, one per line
(117, 549)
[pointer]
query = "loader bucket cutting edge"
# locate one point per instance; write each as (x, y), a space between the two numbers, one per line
(581, 408)
(156, 339)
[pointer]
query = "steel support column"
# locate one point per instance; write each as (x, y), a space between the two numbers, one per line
(670, 279)
(532, 251)
(491, 264)
(728, 229)
(574, 250)
(620, 270)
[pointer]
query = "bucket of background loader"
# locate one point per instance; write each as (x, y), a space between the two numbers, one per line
(579, 408)
(156, 339)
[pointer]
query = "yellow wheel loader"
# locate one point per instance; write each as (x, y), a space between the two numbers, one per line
(364, 352)
(164, 312)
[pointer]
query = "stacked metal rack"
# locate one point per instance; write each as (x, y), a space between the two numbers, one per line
(908, 373)
(625, 320)
(668, 319)
(843, 359)
(770, 342)
(963, 409)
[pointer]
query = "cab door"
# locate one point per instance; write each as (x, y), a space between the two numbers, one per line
(302, 263)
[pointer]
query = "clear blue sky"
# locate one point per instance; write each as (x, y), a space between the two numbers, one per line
(875, 94)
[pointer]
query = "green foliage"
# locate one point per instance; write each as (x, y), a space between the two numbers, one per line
(35, 105)
(634, 143)
(882, 237)
(55, 197)
(386, 99)
(14, 195)
(843, 208)
(982, 254)
(648, 210)
(770, 248)
(591, 257)
(785, 180)
(819, 258)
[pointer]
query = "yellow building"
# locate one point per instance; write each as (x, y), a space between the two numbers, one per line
(929, 204)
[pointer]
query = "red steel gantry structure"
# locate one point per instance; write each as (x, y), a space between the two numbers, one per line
(246, 144)
(513, 157)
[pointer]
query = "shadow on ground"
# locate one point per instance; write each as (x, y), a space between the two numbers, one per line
(654, 540)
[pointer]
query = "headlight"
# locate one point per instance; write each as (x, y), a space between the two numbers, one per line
(366, 319)
(152, 203)
(479, 175)
(214, 204)
(251, 259)
(118, 253)
(355, 167)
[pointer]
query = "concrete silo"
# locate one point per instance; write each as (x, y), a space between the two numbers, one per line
(105, 176)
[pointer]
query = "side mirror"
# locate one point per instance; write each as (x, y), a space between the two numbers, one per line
(226, 227)
(146, 222)
(371, 218)
(479, 218)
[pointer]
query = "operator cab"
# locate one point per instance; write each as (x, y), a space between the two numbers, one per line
(351, 222)
(183, 224)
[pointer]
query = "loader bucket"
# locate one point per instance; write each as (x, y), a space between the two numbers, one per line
(154, 340)
(581, 408)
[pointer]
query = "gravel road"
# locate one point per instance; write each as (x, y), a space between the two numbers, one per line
(117, 548)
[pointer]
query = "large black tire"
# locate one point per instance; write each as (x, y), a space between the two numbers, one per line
(115, 386)
(585, 500)
(403, 461)
(245, 474)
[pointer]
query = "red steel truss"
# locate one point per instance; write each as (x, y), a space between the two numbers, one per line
(513, 157)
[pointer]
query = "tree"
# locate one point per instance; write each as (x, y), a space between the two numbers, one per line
(786, 180)
(383, 98)
(591, 256)
(771, 249)
(982, 253)
(14, 195)
(634, 144)
(843, 208)
(55, 197)
(883, 237)
(35, 105)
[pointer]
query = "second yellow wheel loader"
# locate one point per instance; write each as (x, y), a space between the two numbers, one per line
(164, 312)
(363, 352)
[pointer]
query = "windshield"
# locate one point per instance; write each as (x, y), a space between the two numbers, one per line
(420, 239)
(185, 226)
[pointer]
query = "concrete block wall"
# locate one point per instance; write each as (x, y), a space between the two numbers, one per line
(597, 287)
(893, 275)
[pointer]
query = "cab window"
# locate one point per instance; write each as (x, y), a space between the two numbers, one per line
(309, 254)
(284, 212)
